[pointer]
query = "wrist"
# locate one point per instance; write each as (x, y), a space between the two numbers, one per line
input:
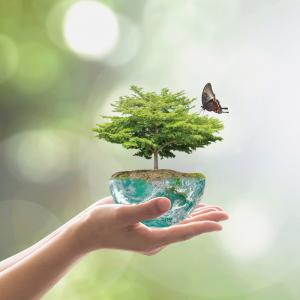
(84, 238)
(77, 239)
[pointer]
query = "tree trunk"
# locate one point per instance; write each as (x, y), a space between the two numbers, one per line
(155, 155)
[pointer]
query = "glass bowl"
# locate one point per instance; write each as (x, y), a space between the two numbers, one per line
(183, 189)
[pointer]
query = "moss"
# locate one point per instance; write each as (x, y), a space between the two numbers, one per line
(155, 174)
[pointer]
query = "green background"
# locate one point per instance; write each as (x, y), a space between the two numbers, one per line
(52, 166)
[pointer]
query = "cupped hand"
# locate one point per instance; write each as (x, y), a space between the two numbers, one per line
(114, 226)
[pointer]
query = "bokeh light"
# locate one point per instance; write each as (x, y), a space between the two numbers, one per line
(39, 67)
(55, 22)
(38, 156)
(249, 234)
(8, 58)
(62, 62)
(128, 44)
(91, 29)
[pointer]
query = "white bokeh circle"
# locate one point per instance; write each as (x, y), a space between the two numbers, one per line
(249, 234)
(38, 155)
(91, 29)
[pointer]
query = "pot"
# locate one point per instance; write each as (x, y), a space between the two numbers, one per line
(183, 189)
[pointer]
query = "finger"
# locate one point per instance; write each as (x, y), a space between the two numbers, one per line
(201, 205)
(202, 211)
(208, 211)
(184, 231)
(153, 208)
(215, 216)
(208, 206)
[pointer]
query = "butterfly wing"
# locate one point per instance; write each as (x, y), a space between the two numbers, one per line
(209, 101)
(208, 92)
(211, 106)
(209, 98)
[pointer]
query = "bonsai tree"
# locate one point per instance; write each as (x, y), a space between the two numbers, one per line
(157, 124)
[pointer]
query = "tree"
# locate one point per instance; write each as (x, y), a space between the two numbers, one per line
(158, 124)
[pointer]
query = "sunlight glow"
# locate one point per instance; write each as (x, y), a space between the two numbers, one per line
(38, 155)
(248, 234)
(91, 29)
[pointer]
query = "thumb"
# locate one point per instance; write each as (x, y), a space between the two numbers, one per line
(147, 210)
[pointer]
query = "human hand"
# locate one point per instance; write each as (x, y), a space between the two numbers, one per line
(114, 226)
(102, 225)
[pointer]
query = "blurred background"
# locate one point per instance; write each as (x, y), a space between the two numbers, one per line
(63, 62)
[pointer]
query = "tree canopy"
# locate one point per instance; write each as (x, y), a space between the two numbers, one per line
(157, 124)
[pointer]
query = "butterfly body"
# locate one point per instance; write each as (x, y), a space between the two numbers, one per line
(210, 102)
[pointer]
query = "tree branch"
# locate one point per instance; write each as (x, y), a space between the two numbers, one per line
(163, 146)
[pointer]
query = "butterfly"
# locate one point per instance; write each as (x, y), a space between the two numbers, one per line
(209, 101)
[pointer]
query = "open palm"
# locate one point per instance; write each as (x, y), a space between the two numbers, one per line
(119, 226)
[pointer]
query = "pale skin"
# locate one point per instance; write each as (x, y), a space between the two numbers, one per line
(104, 225)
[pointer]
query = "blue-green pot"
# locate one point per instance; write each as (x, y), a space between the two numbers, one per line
(183, 189)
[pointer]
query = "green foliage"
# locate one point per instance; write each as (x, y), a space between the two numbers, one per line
(158, 123)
